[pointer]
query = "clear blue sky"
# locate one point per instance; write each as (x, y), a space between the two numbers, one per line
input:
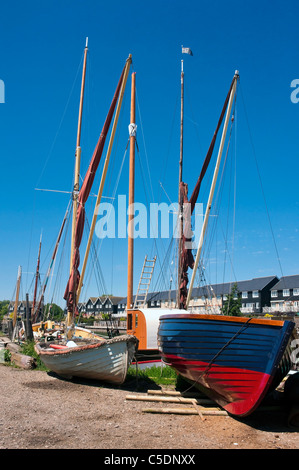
(41, 53)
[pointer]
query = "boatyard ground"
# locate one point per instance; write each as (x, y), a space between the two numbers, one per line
(42, 411)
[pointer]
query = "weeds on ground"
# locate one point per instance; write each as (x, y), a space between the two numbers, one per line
(160, 375)
(27, 348)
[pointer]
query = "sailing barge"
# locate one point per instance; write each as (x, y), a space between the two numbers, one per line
(234, 360)
(94, 358)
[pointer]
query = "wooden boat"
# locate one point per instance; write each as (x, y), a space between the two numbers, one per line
(104, 360)
(236, 361)
(96, 358)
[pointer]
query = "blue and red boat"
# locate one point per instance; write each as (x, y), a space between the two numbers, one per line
(235, 361)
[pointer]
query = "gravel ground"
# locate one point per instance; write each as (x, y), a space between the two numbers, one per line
(42, 411)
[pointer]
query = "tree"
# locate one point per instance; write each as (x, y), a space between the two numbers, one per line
(232, 305)
(3, 308)
(55, 312)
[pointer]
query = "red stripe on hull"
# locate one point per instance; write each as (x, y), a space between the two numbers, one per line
(238, 391)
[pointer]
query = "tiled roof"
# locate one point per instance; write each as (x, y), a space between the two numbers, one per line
(287, 282)
(219, 289)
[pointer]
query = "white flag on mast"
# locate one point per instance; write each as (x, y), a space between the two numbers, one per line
(186, 50)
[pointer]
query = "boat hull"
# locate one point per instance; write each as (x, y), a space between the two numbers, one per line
(234, 360)
(105, 360)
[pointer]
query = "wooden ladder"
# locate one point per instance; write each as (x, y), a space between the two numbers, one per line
(144, 281)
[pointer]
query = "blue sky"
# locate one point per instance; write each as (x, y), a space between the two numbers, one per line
(42, 45)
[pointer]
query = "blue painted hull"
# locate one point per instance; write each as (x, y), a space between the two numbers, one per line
(234, 360)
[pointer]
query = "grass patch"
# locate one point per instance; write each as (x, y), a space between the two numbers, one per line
(160, 375)
(27, 348)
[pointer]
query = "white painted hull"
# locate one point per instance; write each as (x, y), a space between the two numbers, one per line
(106, 360)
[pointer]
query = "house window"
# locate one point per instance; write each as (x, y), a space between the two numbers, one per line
(257, 305)
(255, 293)
(274, 293)
(286, 292)
(244, 295)
(225, 297)
(296, 291)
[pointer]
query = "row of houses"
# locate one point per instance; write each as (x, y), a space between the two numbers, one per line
(263, 295)
(258, 296)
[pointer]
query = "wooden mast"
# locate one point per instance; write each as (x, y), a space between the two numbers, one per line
(209, 203)
(77, 165)
(180, 207)
(132, 131)
(15, 313)
(104, 173)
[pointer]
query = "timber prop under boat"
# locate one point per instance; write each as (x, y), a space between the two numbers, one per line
(105, 360)
(236, 361)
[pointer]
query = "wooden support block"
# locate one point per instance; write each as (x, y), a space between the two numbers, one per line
(174, 393)
(23, 361)
(199, 401)
(185, 411)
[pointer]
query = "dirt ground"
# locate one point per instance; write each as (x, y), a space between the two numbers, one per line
(39, 410)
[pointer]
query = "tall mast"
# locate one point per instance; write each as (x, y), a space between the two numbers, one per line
(104, 173)
(209, 204)
(77, 166)
(36, 275)
(132, 131)
(15, 313)
(78, 156)
(180, 208)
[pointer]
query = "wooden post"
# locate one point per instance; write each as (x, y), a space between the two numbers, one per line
(36, 276)
(15, 313)
(28, 324)
(132, 128)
